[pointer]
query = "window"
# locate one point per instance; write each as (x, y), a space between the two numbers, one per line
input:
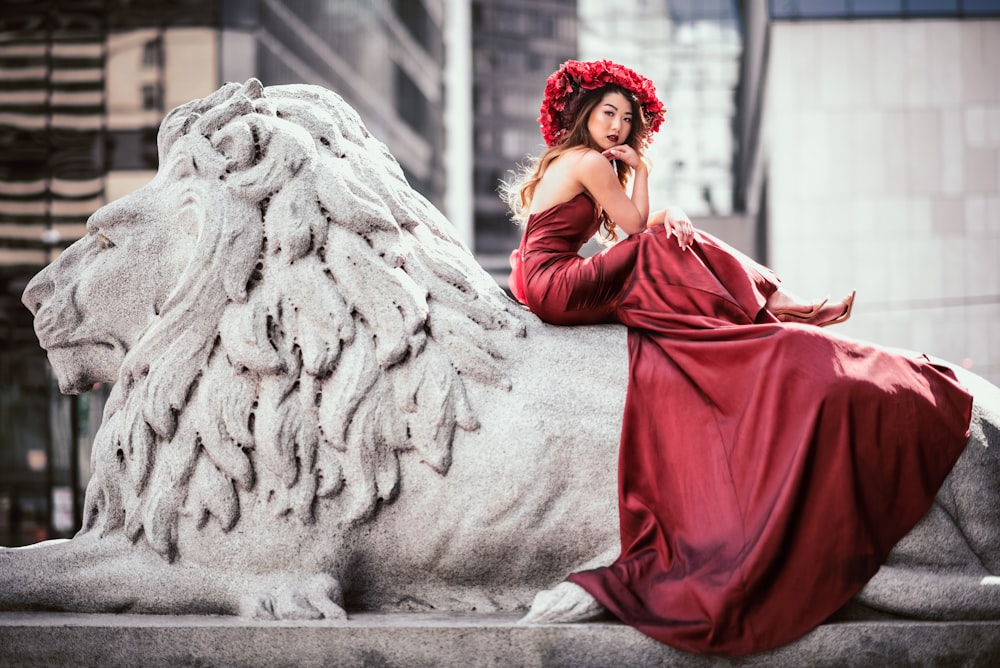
(981, 6)
(877, 7)
(517, 143)
(132, 149)
(794, 9)
(520, 104)
(418, 22)
(811, 8)
(932, 6)
(484, 141)
(482, 100)
(486, 180)
(151, 97)
(152, 53)
(410, 102)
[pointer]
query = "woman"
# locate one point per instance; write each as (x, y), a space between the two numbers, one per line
(766, 467)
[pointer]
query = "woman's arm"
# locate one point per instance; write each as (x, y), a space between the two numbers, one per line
(597, 175)
(677, 223)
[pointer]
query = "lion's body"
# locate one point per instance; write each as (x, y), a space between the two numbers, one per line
(322, 400)
(515, 512)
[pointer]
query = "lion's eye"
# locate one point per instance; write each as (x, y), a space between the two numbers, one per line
(103, 243)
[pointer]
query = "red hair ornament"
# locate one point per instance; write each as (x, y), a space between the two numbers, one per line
(564, 88)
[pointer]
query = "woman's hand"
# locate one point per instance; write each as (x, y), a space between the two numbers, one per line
(594, 171)
(678, 224)
(625, 153)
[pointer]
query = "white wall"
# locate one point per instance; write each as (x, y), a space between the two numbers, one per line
(881, 141)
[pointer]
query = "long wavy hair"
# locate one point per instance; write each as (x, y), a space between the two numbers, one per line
(519, 192)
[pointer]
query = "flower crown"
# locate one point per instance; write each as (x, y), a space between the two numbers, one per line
(562, 95)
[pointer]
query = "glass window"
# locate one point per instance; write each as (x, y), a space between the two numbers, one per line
(808, 8)
(981, 6)
(877, 7)
(822, 7)
(484, 141)
(545, 25)
(418, 22)
(132, 149)
(411, 104)
(520, 104)
(932, 6)
(535, 61)
(76, 155)
(151, 97)
(565, 28)
(483, 179)
(793, 9)
(152, 53)
(517, 143)
(512, 61)
(482, 100)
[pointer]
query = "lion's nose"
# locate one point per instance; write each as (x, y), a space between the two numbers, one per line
(38, 290)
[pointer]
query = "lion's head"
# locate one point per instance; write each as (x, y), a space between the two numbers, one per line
(282, 316)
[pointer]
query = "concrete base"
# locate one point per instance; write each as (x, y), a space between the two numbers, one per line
(444, 640)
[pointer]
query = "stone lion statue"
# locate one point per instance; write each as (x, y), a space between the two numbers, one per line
(322, 403)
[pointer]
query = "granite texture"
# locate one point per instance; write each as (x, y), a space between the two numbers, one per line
(414, 640)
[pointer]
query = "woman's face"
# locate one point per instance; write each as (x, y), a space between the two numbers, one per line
(610, 122)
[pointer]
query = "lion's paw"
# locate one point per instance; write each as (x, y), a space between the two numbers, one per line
(565, 603)
(293, 597)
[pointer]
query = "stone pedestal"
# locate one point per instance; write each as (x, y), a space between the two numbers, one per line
(445, 640)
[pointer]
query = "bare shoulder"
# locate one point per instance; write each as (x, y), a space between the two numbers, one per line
(590, 158)
(582, 160)
(562, 180)
(594, 170)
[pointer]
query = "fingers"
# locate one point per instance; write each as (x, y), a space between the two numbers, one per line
(613, 154)
(683, 230)
(687, 237)
(622, 152)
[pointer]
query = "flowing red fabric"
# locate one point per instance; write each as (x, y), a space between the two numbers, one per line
(765, 469)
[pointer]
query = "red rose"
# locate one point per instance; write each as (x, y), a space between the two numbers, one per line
(574, 76)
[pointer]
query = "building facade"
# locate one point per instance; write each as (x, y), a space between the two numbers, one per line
(516, 44)
(83, 87)
(691, 50)
(870, 160)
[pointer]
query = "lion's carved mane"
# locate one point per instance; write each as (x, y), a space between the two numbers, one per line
(324, 325)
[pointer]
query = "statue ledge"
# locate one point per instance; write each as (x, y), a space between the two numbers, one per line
(451, 639)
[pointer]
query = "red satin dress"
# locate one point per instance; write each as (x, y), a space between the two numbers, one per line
(765, 469)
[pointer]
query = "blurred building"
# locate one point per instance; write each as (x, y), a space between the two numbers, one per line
(849, 144)
(691, 51)
(516, 44)
(870, 160)
(83, 87)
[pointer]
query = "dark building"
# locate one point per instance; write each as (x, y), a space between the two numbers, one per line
(516, 44)
(83, 87)
(385, 57)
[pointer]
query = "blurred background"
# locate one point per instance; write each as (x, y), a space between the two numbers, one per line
(849, 144)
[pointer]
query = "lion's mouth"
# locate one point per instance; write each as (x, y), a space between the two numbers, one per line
(79, 363)
(75, 343)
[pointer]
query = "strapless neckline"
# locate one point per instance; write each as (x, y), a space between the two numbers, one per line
(559, 205)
